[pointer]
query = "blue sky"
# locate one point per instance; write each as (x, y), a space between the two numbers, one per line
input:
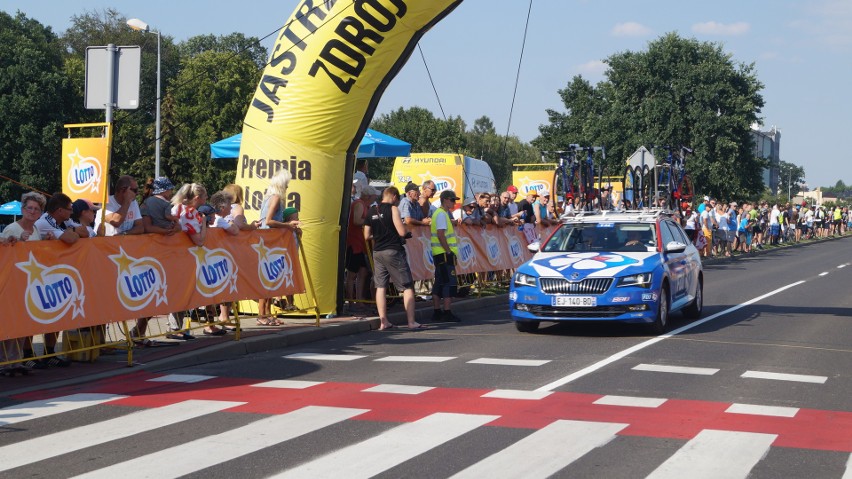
(802, 51)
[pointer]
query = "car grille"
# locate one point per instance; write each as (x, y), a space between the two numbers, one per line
(563, 286)
(559, 312)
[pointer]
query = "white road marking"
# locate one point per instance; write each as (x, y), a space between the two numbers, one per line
(759, 410)
(390, 448)
(841, 266)
(823, 273)
(181, 378)
(52, 445)
(398, 389)
(416, 359)
(622, 354)
(48, 407)
(516, 394)
(801, 378)
(510, 362)
(324, 357)
(209, 451)
(848, 473)
(713, 454)
(287, 384)
(661, 368)
(554, 447)
(630, 401)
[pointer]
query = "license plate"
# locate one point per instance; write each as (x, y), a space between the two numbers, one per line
(574, 301)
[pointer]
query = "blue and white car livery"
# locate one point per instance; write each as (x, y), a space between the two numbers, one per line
(625, 267)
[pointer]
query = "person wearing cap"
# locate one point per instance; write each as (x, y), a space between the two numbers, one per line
(527, 215)
(409, 207)
(83, 214)
(444, 251)
(540, 209)
(156, 209)
(469, 214)
(512, 191)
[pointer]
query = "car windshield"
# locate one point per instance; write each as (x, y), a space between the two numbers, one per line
(602, 237)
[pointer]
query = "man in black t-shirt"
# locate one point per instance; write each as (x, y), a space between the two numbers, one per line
(384, 225)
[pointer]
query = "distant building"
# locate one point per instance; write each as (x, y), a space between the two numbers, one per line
(767, 145)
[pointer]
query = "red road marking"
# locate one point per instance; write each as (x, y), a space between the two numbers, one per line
(676, 418)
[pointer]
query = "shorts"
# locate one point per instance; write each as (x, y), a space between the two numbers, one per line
(391, 264)
(355, 261)
(446, 283)
(774, 230)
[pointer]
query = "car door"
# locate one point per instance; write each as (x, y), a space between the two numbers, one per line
(677, 264)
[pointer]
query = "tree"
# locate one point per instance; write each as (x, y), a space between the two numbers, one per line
(35, 98)
(677, 92)
(207, 102)
(790, 179)
(423, 130)
(235, 43)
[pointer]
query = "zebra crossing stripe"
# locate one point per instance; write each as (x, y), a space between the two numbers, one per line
(848, 473)
(554, 447)
(712, 454)
(52, 445)
(48, 407)
(212, 450)
(389, 449)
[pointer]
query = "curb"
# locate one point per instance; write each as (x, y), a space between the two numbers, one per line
(265, 342)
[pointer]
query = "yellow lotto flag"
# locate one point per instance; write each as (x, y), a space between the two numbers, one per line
(532, 181)
(84, 168)
(329, 67)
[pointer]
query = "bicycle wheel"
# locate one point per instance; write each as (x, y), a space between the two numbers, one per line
(561, 186)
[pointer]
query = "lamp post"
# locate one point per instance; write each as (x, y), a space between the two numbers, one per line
(139, 25)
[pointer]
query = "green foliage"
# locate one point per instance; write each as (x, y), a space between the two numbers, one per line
(790, 178)
(208, 102)
(35, 98)
(235, 43)
(677, 92)
(425, 132)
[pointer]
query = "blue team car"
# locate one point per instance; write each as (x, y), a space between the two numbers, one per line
(625, 267)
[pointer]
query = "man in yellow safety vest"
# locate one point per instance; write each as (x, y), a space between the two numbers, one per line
(444, 251)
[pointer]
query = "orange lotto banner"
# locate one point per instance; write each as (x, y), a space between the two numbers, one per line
(84, 168)
(49, 286)
(480, 249)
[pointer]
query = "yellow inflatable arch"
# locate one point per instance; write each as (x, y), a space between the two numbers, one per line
(331, 63)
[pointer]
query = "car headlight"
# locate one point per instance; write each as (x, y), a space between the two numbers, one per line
(641, 280)
(522, 279)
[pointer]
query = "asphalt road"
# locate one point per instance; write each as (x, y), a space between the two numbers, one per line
(760, 386)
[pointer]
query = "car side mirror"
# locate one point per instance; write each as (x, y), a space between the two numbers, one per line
(534, 247)
(675, 247)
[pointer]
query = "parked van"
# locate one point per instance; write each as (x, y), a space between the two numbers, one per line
(465, 175)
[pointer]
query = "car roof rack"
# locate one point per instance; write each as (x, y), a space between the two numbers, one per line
(643, 214)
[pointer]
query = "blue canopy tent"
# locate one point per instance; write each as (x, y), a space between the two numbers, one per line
(12, 208)
(374, 145)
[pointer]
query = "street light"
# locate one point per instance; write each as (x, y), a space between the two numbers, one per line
(139, 25)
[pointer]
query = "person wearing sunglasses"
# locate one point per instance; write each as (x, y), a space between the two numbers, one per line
(123, 216)
(52, 224)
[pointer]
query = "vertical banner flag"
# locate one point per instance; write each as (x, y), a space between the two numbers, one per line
(84, 168)
(329, 67)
